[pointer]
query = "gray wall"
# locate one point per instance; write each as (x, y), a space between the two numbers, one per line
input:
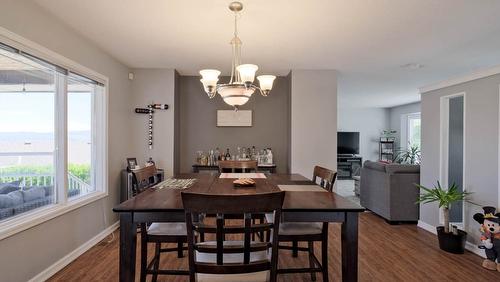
(481, 146)
(198, 130)
(395, 115)
(154, 86)
(369, 122)
(27, 253)
(313, 120)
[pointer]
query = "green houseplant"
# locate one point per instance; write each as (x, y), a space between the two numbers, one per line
(448, 241)
(409, 156)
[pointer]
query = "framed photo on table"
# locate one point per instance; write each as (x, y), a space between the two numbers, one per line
(131, 163)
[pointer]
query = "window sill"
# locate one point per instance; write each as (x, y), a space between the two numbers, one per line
(22, 222)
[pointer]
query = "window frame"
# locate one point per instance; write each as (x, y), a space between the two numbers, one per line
(63, 205)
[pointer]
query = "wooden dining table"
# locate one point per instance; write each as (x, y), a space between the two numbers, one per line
(165, 205)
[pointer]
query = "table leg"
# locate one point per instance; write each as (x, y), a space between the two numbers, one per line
(128, 243)
(350, 247)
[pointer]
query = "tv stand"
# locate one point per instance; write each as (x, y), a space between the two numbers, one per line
(348, 166)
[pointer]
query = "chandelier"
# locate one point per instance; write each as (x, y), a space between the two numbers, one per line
(240, 87)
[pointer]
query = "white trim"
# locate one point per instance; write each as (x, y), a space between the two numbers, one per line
(67, 259)
(22, 222)
(427, 227)
(33, 48)
(461, 79)
(498, 175)
(468, 245)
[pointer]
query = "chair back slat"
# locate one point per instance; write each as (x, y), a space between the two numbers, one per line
(245, 166)
(246, 240)
(327, 177)
(246, 205)
(141, 178)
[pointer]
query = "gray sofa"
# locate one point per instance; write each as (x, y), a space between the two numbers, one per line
(15, 199)
(389, 190)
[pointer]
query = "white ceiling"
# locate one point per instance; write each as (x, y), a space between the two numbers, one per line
(366, 41)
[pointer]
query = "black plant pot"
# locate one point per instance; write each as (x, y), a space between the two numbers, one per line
(451, 243)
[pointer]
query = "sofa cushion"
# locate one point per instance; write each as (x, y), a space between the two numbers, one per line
(33, 194)
(402, 168)
(8, 187)
(375, 165)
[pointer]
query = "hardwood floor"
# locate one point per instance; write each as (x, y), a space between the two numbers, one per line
(386, 253)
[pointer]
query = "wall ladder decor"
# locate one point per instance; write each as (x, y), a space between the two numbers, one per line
(149, 110)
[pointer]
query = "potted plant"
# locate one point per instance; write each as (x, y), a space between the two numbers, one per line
(453, 242)
(410, 156)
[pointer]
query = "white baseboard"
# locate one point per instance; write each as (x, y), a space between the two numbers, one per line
(427, 227)
(67, 259)
(468, 245)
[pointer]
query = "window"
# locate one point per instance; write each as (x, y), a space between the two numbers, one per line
(52, 137)
(413, 130)
(410, 130)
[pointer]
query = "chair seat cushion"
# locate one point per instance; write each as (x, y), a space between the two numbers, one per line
(167, 228)
(231, 258)
(297, 228)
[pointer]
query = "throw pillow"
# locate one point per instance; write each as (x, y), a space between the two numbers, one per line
(8, 187)
(33, 194)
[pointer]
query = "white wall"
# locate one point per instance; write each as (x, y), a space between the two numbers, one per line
(24, 255)
(154, 86)
(481, 147)
(395, 119)
(369, 122)
(313, 120)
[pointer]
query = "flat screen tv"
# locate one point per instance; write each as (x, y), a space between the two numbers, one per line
(347, 143)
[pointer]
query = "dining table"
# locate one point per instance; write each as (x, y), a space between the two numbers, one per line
(164, 204)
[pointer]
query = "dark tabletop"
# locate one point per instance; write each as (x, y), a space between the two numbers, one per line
(169, 199)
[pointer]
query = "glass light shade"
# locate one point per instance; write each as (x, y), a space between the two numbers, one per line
(266, 82)
(247, 72)
(236, 101)
(210, 74)
(207, 83)
(235, 95)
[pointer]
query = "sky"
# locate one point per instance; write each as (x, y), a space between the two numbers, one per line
(34, 112)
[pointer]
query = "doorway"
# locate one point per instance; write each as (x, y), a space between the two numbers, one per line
(453, 148)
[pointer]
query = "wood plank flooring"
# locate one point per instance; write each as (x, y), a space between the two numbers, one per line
(386, 253)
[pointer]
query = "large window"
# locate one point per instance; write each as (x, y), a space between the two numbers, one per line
(52, 136)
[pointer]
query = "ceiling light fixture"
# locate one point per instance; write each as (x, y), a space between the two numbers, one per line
(240, 87)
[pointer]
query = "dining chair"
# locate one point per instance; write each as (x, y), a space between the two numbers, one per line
(244, 166)
(143, 178)
(157, 232)
(236, 260)
(309, 232)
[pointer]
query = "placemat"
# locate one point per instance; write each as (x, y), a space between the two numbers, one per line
(242, 175)
(176, 183)
(302, 188)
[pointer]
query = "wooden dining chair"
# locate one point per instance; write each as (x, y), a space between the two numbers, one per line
(309, 232)
(157, 232)
(325, 176)
(143, 178)
(244, 166)
(238, 260)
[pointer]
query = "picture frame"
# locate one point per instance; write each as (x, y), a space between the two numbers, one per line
(131, 163)
(231, 118)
